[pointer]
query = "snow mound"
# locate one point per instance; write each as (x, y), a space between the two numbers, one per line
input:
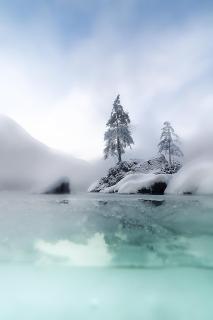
(123, 169)
(141, 183)
(194, 178)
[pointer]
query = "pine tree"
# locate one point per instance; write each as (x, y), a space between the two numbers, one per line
(169, 143)
(118, 135)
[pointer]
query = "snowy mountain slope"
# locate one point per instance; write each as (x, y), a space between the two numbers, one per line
(26, 163)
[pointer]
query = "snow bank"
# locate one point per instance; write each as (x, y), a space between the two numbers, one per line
(194, 178)
(138, 182)
(93, 186)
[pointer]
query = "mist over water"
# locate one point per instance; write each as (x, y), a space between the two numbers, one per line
(108, 256)
(104, 256)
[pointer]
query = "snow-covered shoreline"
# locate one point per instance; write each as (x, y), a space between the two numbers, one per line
(135, 176)
(140, 183)
(193, 178)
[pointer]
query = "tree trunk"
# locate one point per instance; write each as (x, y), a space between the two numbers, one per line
(119, 150)
(170, 158)
(118, 144)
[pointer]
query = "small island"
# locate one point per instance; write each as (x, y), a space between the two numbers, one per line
(137, 176)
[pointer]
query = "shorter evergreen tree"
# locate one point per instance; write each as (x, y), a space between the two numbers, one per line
(118, 135)
(169, 143)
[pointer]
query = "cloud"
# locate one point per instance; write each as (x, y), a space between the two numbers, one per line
(196, 177)
(60, 85)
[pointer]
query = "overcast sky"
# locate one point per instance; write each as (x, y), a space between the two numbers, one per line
(62, 62)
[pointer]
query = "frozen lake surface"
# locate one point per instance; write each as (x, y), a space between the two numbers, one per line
(99, 256)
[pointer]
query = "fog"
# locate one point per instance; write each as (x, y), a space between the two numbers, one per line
(28, 164)
(62, 65)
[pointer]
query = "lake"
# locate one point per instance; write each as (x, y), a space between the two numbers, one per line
(102, 256)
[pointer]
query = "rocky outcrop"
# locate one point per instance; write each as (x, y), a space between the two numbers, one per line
(149, 183)
(114, 175)
(62, 186)
(152, 202)
(156, 188)
(156, 165)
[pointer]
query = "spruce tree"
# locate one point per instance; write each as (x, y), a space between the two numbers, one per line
(118, 135)
(169, 143)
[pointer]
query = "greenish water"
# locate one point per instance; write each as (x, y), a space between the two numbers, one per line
(97, 256)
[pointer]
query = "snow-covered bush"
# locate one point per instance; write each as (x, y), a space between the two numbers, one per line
(175, 167)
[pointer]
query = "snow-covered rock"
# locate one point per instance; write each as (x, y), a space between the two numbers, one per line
(141, 183)
(124, 169)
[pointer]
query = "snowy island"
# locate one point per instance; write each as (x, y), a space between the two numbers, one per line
(137, 176)
(165, 173)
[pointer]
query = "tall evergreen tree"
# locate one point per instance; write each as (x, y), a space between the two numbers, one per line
(169, 143)
(118, 135)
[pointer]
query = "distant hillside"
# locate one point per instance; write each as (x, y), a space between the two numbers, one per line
(28, 164)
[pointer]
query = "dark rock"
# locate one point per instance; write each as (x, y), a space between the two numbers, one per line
(152, 202)
(64, 202)
(157, 188)
(60, 187)
(102, 202)
(187, 193)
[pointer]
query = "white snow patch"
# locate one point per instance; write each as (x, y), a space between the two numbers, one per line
(93, 186)
(94, 253)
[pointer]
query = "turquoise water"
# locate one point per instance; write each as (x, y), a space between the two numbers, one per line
(93, 256)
